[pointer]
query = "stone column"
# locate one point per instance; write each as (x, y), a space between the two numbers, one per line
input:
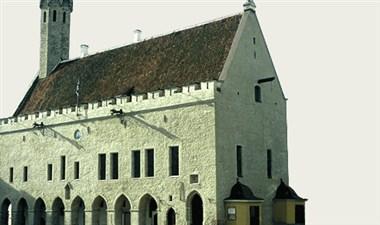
(110, 217)
(67, 217)
(134, 216)
(49, 217)
(87, 217)
(30, 219)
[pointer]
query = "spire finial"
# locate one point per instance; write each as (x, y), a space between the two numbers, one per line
(249, 5)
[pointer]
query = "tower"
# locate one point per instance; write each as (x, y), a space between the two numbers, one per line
(55, 33)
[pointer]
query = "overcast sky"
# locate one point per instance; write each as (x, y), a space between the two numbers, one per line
(327, 55)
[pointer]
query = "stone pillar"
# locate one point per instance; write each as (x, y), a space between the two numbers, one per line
(134, 216)
(67, 217)
(87, 217)
(49, 217)
(30, 219)
(110, 217)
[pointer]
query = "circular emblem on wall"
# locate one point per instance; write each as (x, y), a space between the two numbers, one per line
(77, 135)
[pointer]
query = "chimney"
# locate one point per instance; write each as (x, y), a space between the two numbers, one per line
(83, 50)
(137, 35)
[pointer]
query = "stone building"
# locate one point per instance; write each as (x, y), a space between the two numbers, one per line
(155, 132)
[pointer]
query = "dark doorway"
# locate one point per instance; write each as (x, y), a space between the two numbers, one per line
(300, 214)
(40, 212)
(254, 215)
(22, 212)
(196, 210)
(148, 211)
(6, 212)
(122, 211)
(77, 212)
(171, 217)
(99, 211)
(58, 212)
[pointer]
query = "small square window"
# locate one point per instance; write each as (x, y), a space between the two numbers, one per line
(194, 179)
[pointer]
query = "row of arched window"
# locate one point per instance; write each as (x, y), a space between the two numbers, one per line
(148, 212)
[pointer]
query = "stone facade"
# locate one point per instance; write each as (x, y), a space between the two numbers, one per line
(206, 121)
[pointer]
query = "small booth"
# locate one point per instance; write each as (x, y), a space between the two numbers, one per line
(288, 207)
(242, 207)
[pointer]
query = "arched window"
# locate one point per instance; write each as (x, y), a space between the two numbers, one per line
(44, 17)
(257, 93)
(64, 17)
(54, 15)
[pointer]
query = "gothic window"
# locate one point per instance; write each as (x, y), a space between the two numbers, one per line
(64, 17)
(258, 94)
(76, 170)
(136, 163)
(239, 167)
(54, 15)
(50, 172)
(174, 161)
(149, 162)
(102, 167)
(114, 166)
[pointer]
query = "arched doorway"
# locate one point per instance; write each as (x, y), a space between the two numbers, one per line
(170, 217)
(195, 209)
(22, 212)
(58, 214)
(39, 212)
(6, 212)
(122, 211)
(148, 211)
(77, 212)
(99, 211)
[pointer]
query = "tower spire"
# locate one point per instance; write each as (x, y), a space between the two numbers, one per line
(249, 5)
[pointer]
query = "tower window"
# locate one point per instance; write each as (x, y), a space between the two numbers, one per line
(63, 167)
(102, 166)
(149, 162)
(114, 166)
(136, 163)
(239, 167)
(254, 40)
(269, 163)
(258, 94)
(54, 15)
(25, 174)
(76, 170)
(11, 175)
(44, 17)
(64, 17)
(50, 172)
(174, 161)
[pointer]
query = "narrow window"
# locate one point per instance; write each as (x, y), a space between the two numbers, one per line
(254, 215)
(50, 172)
(300, 214)
(269, 163)
(254, 40)
(11, 175)
(114, 166)
(135, 163)
(25, 174)
(64, 17)
(149, 162)
(76, 170)
(255, 54)
(54, 15)
(63, 167)
(102, 167)
(239, 168)
(257, 93)
(44, 17)
(174, 161)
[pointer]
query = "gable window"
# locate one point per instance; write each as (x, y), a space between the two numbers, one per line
(11, 175)
(76, 170)
(102, 166)
(114, 166)
(54, 15)
(174, 161)
(239, 167)
(149, 162)
(258, 94)
(136, 163)
(63, 167)
(50, 172)
(25, 174)
(269, 163)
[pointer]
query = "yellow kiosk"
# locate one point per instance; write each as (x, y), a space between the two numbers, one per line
(242, 207)
(288, 207)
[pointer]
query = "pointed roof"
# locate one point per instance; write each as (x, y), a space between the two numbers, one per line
(242, 192)
(178, 59)
(286, 192)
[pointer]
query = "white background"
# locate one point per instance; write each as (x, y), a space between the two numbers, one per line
(327, 55)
